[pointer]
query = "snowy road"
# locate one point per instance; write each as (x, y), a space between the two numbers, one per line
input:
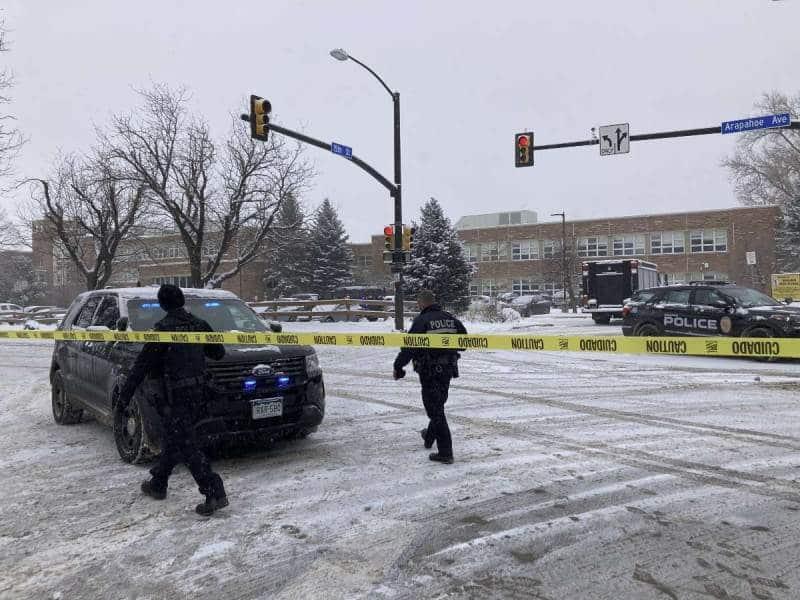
(595, 477)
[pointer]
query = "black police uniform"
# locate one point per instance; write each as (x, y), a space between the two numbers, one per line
(182, 370)
(435, 368)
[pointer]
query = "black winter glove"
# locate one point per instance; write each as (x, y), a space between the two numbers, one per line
(399, 373)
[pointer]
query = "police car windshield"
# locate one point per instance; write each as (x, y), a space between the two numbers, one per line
(223, 314)
(747, 298)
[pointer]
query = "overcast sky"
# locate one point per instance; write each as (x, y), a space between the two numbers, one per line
(470, 75)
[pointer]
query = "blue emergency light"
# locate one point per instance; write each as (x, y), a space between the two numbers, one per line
(211, 304)
(283, 381)
(250, 385)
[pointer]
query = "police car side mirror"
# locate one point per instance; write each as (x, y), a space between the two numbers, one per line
(275, 327)
(122, 323)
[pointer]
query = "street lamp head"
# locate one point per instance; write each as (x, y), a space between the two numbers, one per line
(339, 54)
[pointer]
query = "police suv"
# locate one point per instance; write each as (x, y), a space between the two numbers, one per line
(254, 392)
(708, 308)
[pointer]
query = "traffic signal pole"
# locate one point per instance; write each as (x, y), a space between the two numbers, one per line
(659, 135)
(397, 256)
(394, 191)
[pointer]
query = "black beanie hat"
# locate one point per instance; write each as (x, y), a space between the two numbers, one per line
(170, 296)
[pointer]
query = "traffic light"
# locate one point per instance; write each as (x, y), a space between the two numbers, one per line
(388, 238)
(408, 237)
(523, 148)
(259, 117)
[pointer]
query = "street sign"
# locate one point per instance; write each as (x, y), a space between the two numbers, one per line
(342, 150)
(751, 258)
(615, 139)
(767, 122)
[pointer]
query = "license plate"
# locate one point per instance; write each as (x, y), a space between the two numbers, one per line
(264, 408)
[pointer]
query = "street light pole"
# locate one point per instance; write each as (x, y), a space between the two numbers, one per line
(563, 252)
(397, 265)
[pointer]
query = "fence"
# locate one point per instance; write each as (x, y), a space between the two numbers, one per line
(345, 309)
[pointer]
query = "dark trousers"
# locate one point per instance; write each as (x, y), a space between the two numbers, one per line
(435, 387)
(179, 445)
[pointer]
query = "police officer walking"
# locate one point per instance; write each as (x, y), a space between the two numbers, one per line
(435, 368)
(181, 368)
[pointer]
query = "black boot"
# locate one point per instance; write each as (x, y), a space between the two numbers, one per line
(211, 505)
(216, 497)
(424, 434)
(148, 489)
(436, 457)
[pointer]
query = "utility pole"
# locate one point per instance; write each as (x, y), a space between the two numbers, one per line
(563, 252)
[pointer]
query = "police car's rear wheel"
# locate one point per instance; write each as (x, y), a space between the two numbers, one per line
(129, 433)
(648, 330)
(63, 411)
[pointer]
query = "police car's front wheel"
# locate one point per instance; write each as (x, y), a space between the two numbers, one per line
(761, 332)
(648, 330)
(130, 436)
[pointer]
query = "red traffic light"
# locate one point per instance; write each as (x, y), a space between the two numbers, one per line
(523, 140)
(388, 230)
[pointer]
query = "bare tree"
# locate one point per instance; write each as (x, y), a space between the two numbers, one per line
(88, 211)
(765, 170)
(223, 200)
(9, 235)
(11, 139)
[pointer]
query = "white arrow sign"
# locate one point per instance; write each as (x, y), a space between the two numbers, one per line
(615, 139)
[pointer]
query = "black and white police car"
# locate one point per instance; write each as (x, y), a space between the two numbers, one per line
(708, 308)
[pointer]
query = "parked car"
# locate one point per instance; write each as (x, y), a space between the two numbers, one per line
(255, 392)
(10, 313)
(334, 313)
(37, 308)
(305, 297)
(533, 304)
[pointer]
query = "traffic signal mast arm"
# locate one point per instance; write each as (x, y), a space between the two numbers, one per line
(648, 136)
(327, 146)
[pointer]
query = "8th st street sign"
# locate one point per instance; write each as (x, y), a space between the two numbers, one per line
(767, 122)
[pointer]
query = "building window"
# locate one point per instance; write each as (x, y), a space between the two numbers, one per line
(628, 245)
(362, 261)
(708, 240)
(488, 287)
(489, 252)
(525, 250)
(548, 248)
(41, 275)
(474, 288)
(472, 252)
(593, 246)
(179, 280)
(708, 276)
(210, 251)
(668, 242)
(524, 286)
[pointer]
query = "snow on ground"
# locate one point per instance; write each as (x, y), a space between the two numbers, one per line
(576, 476)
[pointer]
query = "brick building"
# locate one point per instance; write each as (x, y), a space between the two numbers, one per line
(149, 260)
(711, 245)
(511, 250)
(515, 252)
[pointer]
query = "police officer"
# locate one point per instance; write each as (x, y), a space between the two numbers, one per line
(435, 368)
(181, 368)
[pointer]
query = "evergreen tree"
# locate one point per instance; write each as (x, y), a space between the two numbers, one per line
(287, 264)
(437, 260)
(330, 258)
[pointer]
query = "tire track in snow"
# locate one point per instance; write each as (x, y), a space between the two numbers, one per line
(750, 436)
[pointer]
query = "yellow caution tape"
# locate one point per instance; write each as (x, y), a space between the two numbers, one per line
(694, 346)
